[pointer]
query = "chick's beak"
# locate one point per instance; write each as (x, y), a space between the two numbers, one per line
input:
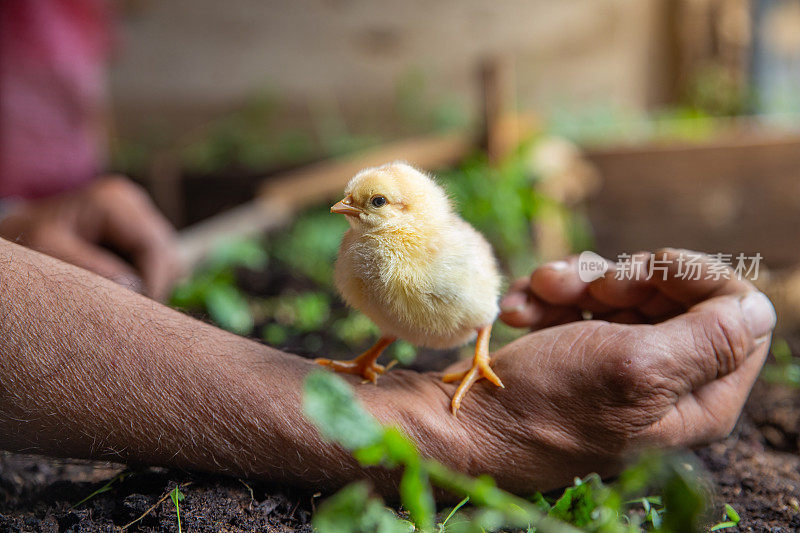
(344, 207)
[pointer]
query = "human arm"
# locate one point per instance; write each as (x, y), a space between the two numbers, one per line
(92, 370)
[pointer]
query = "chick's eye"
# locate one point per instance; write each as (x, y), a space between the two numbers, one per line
(378, 201)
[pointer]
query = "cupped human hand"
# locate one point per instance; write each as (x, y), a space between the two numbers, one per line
(586, 395)
(648, 288)
(110, 227)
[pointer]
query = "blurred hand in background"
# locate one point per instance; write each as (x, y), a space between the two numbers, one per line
(109, 227)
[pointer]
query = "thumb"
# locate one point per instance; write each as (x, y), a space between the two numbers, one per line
(720, 369)
(713, 339)
(160, 268)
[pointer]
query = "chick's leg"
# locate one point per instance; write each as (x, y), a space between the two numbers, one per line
(365, 365)
(480, 369)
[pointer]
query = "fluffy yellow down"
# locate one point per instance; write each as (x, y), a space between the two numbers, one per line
(413, 266)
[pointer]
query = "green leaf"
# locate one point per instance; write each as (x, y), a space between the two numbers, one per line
(399, 447)
(228, 307)
(352, 510)
(575, 506)
(683, 502)
(733, 519)
(655, 518)
(238, 253)
(786, 370)
(310, 245)
(404, 352)
(274, 334)
(189, 294)
(482, 521)
(105, 488)
(416, 496)
(177, 496)
(355, 329)
(328, 401)
(540, 502)
(311, 310)
(371, 455)
(453, 511)
(781, 350)
(732, 514)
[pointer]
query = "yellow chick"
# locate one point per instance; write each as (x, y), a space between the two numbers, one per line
(416, 269)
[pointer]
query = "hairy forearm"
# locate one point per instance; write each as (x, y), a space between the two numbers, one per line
(92, 370)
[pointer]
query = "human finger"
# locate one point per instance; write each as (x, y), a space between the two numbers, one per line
(133, 225)
(73, 249)
(520, 308)
(689, 277)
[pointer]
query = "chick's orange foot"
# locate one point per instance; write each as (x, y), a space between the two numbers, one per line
(365, 365)
(480, 369)
(369, 370)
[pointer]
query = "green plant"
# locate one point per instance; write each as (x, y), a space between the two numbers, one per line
(355, 329)
(653, 508)
(589, 504)
(500, 201)
(274, 334)
(403, 352)
(247, 139)
(715, 90)
(304, 311)
(329, 402)
(732, 518)
(213, 288)
(786, 369)
(607, 125)
(310, 245)
(177, 496)
(443, 524)
(105, 488)
(418, 109)
(353, 510)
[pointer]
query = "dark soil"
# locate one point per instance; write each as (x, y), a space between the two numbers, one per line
(37, 493)
(757, 469)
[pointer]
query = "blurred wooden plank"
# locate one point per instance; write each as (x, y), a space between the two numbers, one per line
(247, 220)
(783, 288)
(326, 180)
(733, 196)
(500, 124)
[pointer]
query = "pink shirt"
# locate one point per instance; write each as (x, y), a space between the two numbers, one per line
(52, 54)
